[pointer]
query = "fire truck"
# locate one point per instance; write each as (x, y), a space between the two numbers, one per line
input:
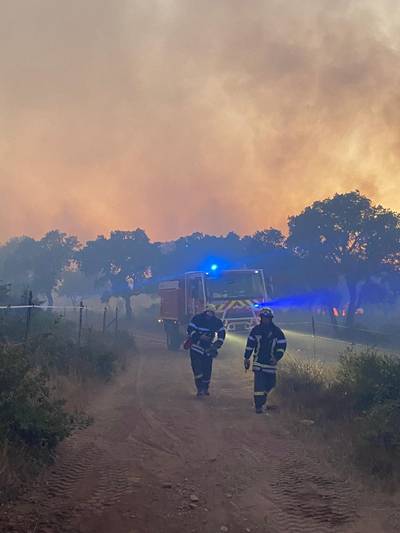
(235, 293)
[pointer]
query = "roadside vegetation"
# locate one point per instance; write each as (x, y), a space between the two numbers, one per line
(35, 413)
(354, 405)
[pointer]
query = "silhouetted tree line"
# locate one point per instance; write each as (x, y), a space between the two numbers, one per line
(341, 241)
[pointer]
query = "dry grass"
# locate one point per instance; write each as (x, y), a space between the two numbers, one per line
(352, 408)
(34, 420)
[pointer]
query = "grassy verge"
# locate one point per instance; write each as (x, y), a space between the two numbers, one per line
(355, 405)
(34, 417)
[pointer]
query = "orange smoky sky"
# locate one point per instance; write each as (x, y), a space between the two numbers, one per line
(193, 115)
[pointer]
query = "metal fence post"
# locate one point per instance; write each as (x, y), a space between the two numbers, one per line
(105, 319)
(116, 322)
(4, 316)
(81, 307)
(314, 336)
(28, 316)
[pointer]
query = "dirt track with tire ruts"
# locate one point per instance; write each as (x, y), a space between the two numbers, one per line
(157, 459)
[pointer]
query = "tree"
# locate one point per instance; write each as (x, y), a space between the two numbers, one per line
(199, 252)
(120, 263)
(346, 236)
(39, 264)
(76, 286)
(5, 291)
(271, 239)
(55, 251)
(265, 249)
(18, 255)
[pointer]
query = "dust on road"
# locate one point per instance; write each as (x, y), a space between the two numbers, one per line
(157, 459)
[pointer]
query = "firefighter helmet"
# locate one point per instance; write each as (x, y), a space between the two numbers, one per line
(211, 308)
(266, 312)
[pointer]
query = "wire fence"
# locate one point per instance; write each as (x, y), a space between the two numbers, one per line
(340, 333)
(20, 322)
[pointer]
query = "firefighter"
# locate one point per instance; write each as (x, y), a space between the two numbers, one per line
(268, 343)
(206, 334)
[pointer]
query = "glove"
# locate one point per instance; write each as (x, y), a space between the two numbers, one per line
(246, 364)
(212, 352)
(188, 343)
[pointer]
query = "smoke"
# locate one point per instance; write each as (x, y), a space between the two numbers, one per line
(180, 115)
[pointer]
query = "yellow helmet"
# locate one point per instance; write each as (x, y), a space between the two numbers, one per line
(211, 308)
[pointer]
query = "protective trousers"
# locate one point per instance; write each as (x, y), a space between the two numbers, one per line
(264, 382)
(202, 369)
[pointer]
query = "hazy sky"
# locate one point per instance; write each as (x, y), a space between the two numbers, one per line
(193, 115)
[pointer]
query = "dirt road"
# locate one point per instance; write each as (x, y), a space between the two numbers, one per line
(159, 460)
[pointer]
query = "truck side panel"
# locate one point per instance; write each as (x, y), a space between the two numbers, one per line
(172, 301)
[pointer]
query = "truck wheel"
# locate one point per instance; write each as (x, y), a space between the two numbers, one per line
(173, 336)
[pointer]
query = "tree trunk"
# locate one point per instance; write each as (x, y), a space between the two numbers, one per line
(128, 308)
(49, 297)
(333, 318)
(353, 294)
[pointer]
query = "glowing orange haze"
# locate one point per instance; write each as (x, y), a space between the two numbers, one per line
(187, 115)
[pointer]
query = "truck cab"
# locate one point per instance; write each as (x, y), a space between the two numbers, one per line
(234, 293)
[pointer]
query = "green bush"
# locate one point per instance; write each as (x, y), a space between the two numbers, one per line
(13, 324)
(377, 441)
(97, 355)
(300, 382)
(368, 378)
(32, 420)
(28, 415)
(308, 387)
(97, 358)
(358, 403)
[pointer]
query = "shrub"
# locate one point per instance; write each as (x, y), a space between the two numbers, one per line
(357, 404)
(98, 355)
(377, 441)
(32, 420)
(307, 386)
(28, 415)
(368, 378)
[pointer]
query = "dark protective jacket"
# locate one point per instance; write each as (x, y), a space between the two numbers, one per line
(268, 343)
(212, 327)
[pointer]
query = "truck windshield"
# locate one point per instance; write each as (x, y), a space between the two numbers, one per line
(235, 285)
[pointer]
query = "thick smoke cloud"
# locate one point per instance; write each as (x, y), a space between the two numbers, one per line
(181, 115)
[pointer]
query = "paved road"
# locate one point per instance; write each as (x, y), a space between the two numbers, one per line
(299, 344)
(303, 345)
(324, 348)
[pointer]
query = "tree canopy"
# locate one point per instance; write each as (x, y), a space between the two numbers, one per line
(346, 236)
(38, 264)
(343, 240)
(119, 263)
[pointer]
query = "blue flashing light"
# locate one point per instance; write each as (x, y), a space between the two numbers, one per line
(214, 267)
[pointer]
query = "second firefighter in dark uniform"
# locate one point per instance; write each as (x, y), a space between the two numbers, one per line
(268, 344)
(207, 335)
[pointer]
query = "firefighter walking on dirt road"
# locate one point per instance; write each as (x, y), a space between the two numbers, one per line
(206, 336)
(268, 343)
